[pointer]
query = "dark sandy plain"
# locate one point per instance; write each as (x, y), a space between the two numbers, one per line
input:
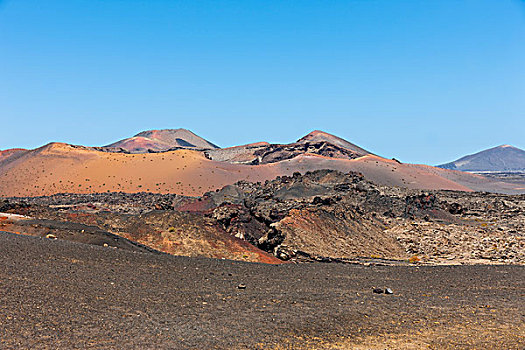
(57, 294)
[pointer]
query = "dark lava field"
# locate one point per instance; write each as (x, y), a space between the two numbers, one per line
(67, 295)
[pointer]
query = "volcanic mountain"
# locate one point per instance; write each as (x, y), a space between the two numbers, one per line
(193, 171)
(161, 140)
(321, 136)
(316, 142)
(498, 159)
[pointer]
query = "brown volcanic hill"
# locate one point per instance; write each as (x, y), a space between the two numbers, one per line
(58, 168)
(321, 136)
(10, 151)
(162, 140)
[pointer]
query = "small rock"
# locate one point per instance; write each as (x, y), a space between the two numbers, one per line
(378, 290)
(389, 291)
(51, 236)
(105, 244)
(241, 286)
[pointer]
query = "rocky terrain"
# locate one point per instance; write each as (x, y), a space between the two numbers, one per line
(117, 202)
(324, 216)
(271, 153)
(175, 233)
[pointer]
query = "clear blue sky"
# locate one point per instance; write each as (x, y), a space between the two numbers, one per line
(422, 81)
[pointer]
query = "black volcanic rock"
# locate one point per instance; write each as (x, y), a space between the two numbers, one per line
(502, 158)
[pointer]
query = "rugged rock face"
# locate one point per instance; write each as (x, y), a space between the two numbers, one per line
(304, 217)
(329, 214)
(323, 216)
(273, 153)
(321, 136)
(176, 233)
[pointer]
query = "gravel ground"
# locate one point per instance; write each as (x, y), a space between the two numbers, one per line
(66, 295)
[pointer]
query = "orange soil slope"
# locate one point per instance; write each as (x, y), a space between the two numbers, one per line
(59, 167)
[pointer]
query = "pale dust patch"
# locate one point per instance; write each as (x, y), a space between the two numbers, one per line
(464, 336)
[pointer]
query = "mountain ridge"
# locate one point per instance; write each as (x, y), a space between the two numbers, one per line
(188, 170)
(497, 159)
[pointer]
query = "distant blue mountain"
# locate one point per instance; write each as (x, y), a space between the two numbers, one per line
(501, 158)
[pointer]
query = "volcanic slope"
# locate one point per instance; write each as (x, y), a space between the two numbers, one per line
(175, 233)
(59, 168)
(501, 158)
(161, 140)
(327, 214)
(321, 136)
